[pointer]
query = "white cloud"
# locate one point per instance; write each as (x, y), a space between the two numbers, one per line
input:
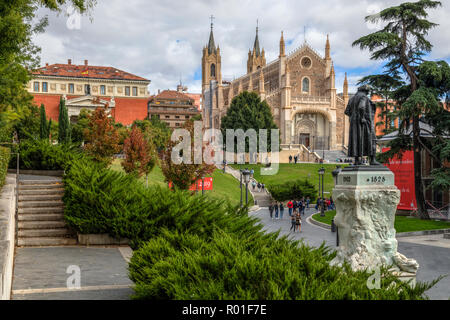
(163, 40)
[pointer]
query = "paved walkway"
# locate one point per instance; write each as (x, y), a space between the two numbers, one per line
(432, 256)
(43, 273)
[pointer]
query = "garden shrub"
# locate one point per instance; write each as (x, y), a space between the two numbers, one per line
(4, 160)
(100, 200)
(229, 266)
(42, 155)
(291, 190)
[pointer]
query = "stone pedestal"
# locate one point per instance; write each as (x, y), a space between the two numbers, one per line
(366, 201)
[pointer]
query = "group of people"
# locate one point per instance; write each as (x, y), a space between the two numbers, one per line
(296, 209)
(326, 202)
(260, 186)
(295, 159)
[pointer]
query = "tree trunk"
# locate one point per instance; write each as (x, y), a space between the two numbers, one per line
(419, 190)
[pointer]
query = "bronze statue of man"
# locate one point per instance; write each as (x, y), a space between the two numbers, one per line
(362, 138)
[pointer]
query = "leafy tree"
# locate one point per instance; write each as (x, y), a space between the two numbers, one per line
(102, 139)
(45, 126)
(155, 132)
(247, 111)
(402, 44)
(138, 155)
(384, 85)
(183, 175)
(18, 54)
(26, 122)
(79, 127)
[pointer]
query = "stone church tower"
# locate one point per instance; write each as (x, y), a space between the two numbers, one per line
(299, 88)
(211, 63)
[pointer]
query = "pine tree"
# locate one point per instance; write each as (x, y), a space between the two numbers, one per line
(402, 44)
(64, 133)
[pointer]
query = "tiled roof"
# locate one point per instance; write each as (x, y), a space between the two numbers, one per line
(94, 72)
(172, 94)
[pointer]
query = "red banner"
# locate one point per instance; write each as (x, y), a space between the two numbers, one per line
(198, 186)
(403, 170)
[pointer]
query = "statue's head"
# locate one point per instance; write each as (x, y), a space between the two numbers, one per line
(364, 88)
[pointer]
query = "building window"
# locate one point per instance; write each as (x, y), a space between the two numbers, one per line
(127, 91)
(187, 117)
(305, 85)
(135, 91)
(87, 89)
(36, 87)
(44, 87)
(71, 88)
(167, 117)
(102, 90)
(213, 70)
(177, 117)
(177, 124)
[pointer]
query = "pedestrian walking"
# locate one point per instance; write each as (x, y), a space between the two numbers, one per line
(290, 206)
(298, 222)
(259, 187)
(253, 185)
(294, 205)
(290, 158)
(263, 186)
(276, 210)
(251, 173)
(308, 200)
(271, 207)
(295, 159)
(281, 210)
(293, 221)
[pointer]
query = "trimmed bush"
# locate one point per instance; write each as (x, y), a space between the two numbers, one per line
(42, 155)
(290, 190)
(5, 154)
(231, 266)
(100, 200)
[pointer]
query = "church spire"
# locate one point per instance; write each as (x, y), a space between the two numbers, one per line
(211, 44)
(256, 47)
(327, 48)
(282, 46)
(345, 86)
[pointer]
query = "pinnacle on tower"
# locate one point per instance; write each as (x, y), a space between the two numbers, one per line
(256, 49)
(211, 44)
(282, 46)
(345, 85)
(327, 48)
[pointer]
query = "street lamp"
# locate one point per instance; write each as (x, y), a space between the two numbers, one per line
(321, 174)
(246, 174)
(203, 185)
(335, 174)
(240, 183)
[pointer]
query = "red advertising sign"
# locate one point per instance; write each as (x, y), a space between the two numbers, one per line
(403, 170)
(198, 186)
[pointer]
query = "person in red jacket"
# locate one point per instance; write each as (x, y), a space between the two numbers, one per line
(290, 206)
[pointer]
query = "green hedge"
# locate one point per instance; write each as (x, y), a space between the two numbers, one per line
(100, 200)
(41, 155)
(291, 190)
(5, 154)
(229, 266)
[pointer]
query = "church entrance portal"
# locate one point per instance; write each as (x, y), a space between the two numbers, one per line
(305, 139)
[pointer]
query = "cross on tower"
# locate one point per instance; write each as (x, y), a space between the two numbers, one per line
(212, 18)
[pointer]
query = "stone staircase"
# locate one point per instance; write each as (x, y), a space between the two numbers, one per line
(41, 214)
(332, 155)
(262, 199)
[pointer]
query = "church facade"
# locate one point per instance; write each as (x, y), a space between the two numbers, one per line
(299, 88)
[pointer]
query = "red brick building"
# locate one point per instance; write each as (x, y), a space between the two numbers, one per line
(88, 87)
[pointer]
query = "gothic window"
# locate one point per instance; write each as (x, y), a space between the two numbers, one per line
(213, 70)
(305, 85)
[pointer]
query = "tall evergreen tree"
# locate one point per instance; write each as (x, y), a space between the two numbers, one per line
(403, 44)
(45, 126)
(64, 132)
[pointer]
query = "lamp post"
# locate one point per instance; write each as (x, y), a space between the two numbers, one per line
(246, 174)
(240, 184)
(322, 208)
(203, 185)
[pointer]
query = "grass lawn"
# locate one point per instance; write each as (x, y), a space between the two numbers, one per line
(401, 224)
(225, 186)
(289, 172)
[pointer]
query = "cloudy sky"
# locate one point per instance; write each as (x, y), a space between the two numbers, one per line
(162, 40)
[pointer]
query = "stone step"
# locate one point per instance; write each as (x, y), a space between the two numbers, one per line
(44, 197)
(39, 192)
(446, 235)
(24, 225)
(42, 217)
(34, 233)
(40, 187)
(39, 204)
(44, 210)
(46, 241)
(54, 180)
